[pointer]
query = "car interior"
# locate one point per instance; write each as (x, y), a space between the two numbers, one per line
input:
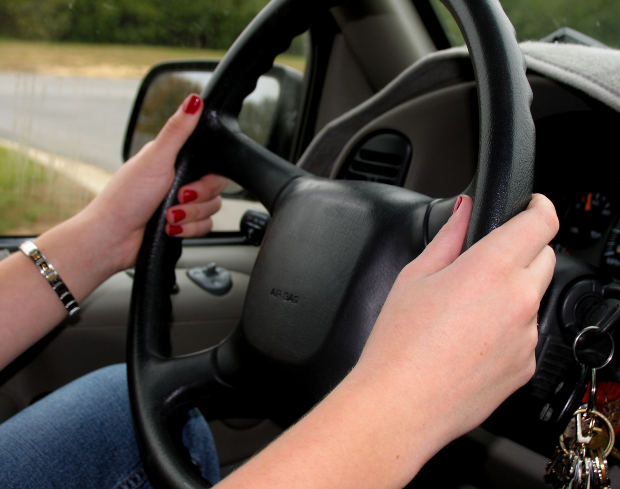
(384, 99)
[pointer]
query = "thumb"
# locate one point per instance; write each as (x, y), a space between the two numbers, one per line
(448, 244)
(178, 127)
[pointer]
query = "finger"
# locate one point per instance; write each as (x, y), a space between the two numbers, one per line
(542, 268)
(448, 243)
(523, 237)
(186, 213)
(204, 189)
(190, 230)
(178, 128)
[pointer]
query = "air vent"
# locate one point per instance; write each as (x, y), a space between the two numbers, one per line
(381, 157)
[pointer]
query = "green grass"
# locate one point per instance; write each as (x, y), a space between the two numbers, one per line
(33, 197)
(100, 60)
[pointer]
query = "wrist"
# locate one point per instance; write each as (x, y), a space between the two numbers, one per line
(51, 276)
(82, 252)
(116, 243)
(415, 423)
(383, 432)
(369, 432)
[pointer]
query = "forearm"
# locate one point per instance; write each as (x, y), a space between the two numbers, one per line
(363, 435)
(105, 237)
(84, 256)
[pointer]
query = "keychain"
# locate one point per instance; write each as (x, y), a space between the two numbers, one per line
(580, 459)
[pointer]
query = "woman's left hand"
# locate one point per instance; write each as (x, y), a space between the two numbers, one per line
(136, 190)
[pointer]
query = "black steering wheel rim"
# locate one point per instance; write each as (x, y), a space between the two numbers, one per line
(161, 387)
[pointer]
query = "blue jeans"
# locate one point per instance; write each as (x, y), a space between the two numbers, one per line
(82, 436)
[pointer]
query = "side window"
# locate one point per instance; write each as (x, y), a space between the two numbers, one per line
(450, 26)
(68, 80)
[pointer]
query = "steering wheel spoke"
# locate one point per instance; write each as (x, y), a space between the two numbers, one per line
(225, 150)
(181, 381)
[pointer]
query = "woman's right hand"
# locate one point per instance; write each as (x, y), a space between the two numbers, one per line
(455, 337)
(460, 330)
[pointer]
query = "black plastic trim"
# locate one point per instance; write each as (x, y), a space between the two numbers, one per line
(321, 43)
(433, 25)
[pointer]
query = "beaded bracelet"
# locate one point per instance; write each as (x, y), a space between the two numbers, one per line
(51, 275)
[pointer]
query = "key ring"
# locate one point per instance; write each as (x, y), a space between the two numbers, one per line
(588, 361)
(580, 336)
(607, 424)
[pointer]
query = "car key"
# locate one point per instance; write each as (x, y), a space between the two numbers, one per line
(580, 461)
(594, 349)
(585, 459)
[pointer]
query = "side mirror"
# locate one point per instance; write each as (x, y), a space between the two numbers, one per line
(269, 114)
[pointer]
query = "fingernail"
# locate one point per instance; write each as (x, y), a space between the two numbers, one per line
(189, 196)
(457, 204)
(178, 215)
(175, 230)
(192, 104)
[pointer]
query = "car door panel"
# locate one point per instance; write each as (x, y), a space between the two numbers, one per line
(97, 337)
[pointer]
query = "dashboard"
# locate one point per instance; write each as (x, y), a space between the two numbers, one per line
(435, 127)
(578, 168)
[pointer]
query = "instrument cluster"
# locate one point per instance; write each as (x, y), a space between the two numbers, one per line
(590, 227)
(578, 168)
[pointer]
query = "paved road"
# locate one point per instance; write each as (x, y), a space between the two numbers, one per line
(80, 118)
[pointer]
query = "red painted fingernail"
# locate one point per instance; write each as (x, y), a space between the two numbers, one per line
(178, 215)
(175, 230)
(192, 104)
(457, 204)
(189, 195)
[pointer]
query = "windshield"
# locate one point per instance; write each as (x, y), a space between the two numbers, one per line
(538, 19)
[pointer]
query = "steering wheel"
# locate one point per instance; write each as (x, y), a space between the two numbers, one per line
(330, 255)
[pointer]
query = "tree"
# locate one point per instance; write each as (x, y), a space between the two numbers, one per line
(209, 24)
(26, 19)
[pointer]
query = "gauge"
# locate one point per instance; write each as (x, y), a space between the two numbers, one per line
(587, 219)
(611, 253)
